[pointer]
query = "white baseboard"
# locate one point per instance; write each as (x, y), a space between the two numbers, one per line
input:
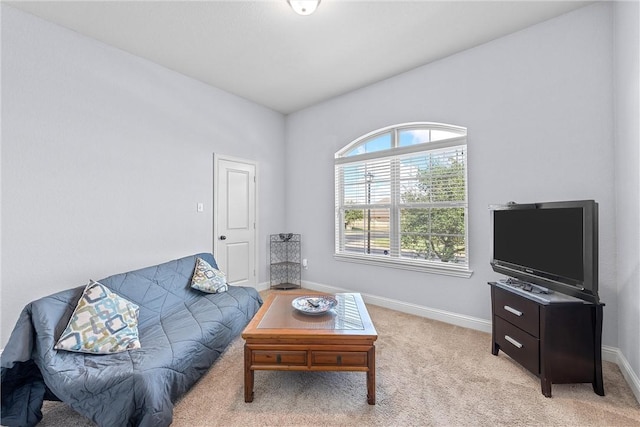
(616, 356)
(610, 354)
(418, 310)
(262, 286)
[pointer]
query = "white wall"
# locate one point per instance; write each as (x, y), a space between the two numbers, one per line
(538, 108)
(627, 176)
(104, 157)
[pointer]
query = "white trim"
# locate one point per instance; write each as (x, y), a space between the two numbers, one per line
(418, 310)
(435, 268)
(263, 286)
(613, 354)
(610, 354)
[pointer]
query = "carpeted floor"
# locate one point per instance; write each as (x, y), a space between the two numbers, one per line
(428, 374)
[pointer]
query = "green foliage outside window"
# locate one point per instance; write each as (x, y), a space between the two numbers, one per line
(429, 232)
(352, 215)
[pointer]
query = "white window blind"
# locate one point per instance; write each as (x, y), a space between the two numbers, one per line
(404, 204)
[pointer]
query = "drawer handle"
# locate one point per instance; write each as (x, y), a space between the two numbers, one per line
(278, 359)
(512, 341)
(339, 360)
(513, 310)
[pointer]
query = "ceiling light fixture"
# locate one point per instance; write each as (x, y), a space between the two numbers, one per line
(304, 7)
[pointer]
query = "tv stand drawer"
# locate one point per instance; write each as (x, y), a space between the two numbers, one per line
(522, 347)
(519, 311)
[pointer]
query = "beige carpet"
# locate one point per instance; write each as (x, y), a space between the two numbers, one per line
(428, 374)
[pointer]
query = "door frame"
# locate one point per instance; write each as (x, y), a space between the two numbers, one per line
(216, 192)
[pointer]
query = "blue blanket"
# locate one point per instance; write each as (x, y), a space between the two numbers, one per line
(182, 332)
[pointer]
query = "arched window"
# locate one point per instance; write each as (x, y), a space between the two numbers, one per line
(401, 198)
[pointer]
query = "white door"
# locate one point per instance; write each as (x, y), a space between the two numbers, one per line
(234, 222)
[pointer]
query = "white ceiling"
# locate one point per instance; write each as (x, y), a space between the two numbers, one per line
(262, 51)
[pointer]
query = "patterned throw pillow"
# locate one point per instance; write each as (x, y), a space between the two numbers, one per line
(208, 279)
(102, 323)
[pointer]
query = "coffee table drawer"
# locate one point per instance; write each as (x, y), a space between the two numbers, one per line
(271, 357)
(339, 358)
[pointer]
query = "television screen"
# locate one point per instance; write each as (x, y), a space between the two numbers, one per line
(551, 244)
(546, 240)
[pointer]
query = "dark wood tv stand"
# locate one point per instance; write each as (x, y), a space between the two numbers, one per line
(558, 341)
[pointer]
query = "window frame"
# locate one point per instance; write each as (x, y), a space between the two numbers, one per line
(345, 156)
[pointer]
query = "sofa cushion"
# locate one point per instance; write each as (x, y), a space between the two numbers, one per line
(208, 279)
(102, 323)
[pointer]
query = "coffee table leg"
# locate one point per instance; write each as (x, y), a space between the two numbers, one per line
(371, 377)
(248, 375)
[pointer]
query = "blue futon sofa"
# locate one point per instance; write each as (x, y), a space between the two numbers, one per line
(182, 332)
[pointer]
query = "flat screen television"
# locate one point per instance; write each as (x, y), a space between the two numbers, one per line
(553, 245)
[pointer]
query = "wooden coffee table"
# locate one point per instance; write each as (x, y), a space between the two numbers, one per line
(279, 338)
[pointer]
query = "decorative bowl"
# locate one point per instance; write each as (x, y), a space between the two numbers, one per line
(314, 304)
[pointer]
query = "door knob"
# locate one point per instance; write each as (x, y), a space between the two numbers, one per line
(223, 237)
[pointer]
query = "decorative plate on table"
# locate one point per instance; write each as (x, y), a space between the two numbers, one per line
(311, 304)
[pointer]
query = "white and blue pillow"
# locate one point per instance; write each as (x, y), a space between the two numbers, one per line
(102, 323)
(208, 279)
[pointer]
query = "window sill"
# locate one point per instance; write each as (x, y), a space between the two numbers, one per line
(425, 267)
